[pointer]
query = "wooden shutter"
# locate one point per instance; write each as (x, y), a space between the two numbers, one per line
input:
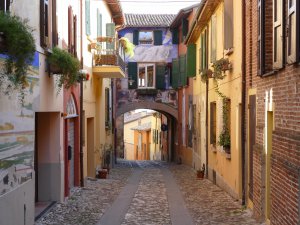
(182, 69)
(292, 31)
(70, 30)
(160, 76)
(185, 28)
(110, 32)
(54, 24)
(135, 37)
(204, 61)
(75, 36)
(175, 73)
(87, 18)
(213, 123)
(191, 60)
(175, 37)
(106, 106)
(277, 34)
(228, 23)
(158, 37)
(42, 23)
(213, 38)
(261, 38)
(99, 23)
(132, 75)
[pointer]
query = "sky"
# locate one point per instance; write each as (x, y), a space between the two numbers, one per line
(155, 6)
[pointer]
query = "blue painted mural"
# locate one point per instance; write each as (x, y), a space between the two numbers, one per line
(17, 132)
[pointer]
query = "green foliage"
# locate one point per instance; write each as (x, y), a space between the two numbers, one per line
(220, 66)
(205, 74)
(67, 65)
(17, 43)
(224, 138)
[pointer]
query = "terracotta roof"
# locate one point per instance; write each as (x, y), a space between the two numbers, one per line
(148, 20)
(183, 13)
(116, 11)
(143, 127)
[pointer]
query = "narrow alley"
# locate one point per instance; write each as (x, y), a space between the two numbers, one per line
(148, 192)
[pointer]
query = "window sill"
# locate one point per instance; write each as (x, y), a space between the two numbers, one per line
(146, 91)
(228, 52)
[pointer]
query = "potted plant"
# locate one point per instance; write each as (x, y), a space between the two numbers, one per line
(18, 46)
(224, 140)
(201, 172)
(220, 66)
(205, 74)
(66, 66)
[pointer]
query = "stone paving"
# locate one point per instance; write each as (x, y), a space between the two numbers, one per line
(207, 203)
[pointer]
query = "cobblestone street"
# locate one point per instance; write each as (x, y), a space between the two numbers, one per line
(152, 201)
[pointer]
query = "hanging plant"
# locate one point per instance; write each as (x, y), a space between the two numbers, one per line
(220, 66)
(18, 46)
(224, 138)
(206, 74)
(63, 64)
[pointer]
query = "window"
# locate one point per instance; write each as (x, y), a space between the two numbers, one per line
(261, 37)
(277, 34)
(184, 29)
(48, 23)
(72, 30)
(145, 37)
(4, 5)
(213, 38)
(107, 109)
(203, 51)
(87, 18)
(213, 123)
(146, 76)
(228, 24)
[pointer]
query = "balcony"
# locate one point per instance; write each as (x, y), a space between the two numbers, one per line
(108, 58)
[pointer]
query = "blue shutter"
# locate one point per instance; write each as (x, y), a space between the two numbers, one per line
(160, 76)
(87, 18)
(132, 75)
(158, 37)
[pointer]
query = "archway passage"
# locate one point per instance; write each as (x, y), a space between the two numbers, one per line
(143, 134)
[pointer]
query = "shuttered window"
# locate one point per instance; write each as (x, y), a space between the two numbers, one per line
(191, 60)
(175, 73)
(110, 32)
(54, 24)
(87, 18)
(204, 60)
(261, 37)
(185, 28)
(175, 37)
(99, 23)
(132, 75)
(106, 107)
(213, 38)
(135, 37)
(158, 37)
(228, 24)
(182, 69)
(146, 75)
(4, 5)
(293, 31)
(160, 76)
(70, 30)
(277, 34)
(213, 123)
(75, 36)
(44, 26)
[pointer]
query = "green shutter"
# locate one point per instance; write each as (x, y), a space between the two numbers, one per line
(87, 18)
(185, 28)
(158, 37)
(160, 76)
(110, 32)
(175, 37)
(132, 75)
(135, 37)
(191, 60)
(175, 73)
(99, 23)
(182, 69)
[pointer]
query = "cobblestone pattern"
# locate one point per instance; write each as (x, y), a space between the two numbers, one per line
(150, 204)
(207, 203)
(86, 205)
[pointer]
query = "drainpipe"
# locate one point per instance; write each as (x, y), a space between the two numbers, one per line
(243, 102)
(81, 105)
(206, 127)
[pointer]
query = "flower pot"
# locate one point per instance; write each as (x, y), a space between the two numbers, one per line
(54, 69)
(200, 174)
(226, 149)
(102, 174)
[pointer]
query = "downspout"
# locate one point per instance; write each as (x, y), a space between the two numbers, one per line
(243, 102)
(206, 128)
(81, 105)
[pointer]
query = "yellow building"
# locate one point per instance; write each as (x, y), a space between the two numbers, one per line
(217, 34)
(101, 60)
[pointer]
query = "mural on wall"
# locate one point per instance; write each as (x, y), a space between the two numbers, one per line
(17, 132)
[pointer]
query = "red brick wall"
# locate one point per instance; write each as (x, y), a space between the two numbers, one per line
(285, 158)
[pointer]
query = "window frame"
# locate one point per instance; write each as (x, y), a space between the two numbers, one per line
(213, 123)
(6, 5)
(292, 52)
(278, 23)
(261, 38)
(146, 65)
(213, 39)
(146, 31)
